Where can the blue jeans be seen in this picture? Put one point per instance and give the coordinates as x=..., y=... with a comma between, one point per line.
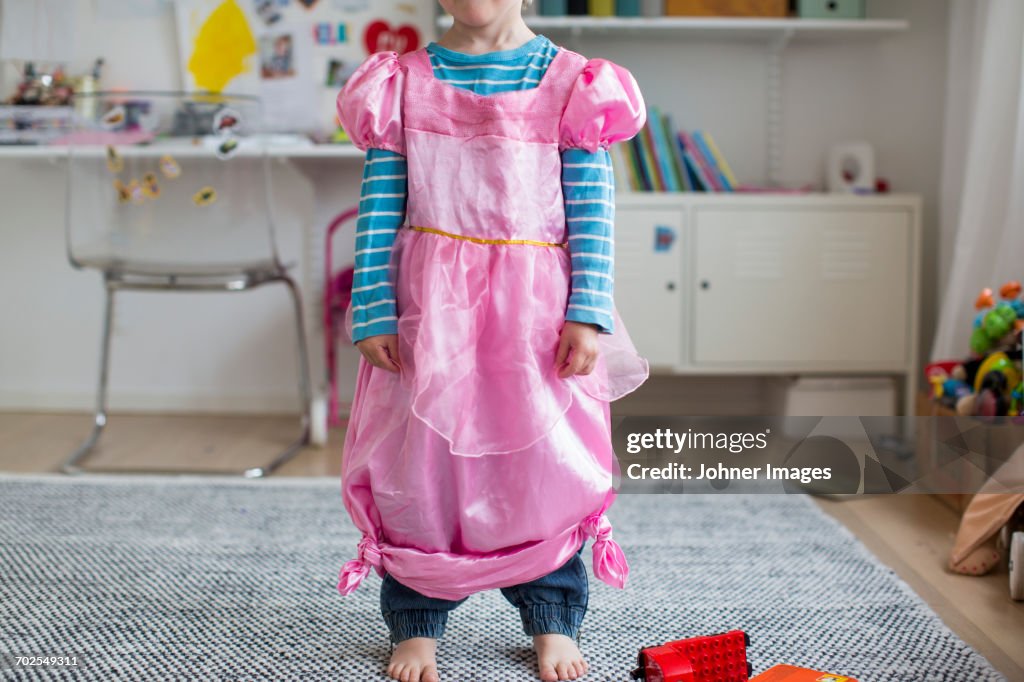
x=554, y=603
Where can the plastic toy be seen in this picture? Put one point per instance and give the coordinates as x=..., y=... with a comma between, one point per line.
x=995, y=321
x=997, y=362
x=717, y=658
x=791, y=673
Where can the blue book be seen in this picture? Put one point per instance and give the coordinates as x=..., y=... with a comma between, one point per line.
x=554, y=8
x=662, y=151
x=641, y=163
x=677, y=155
x=692, y=168
x=627, y=8
x=705, y=150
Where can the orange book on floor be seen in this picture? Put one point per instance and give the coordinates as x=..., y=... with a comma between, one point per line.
x=791, y=673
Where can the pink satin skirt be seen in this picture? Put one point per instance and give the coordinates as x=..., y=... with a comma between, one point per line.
x=477, y=466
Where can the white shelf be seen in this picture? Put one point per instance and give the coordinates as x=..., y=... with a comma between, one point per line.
x=718, y=28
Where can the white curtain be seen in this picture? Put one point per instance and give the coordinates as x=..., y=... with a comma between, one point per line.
x=982, y=204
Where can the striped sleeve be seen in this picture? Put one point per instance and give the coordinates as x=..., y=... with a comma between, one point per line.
x=381, y=212
x=588, y=186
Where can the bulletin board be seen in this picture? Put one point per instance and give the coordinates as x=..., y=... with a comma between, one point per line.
x=295, y=54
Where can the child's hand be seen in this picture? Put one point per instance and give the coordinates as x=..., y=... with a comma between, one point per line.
x=581, y=340
x=381, y=351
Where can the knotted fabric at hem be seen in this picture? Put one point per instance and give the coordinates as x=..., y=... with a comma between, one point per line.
x=353, y=572
x=609, y=561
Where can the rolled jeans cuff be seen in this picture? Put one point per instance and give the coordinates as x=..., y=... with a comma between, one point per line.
x=415, y=623
x=543, y=619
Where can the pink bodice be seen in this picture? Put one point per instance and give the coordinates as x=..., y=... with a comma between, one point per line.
x=489, y=166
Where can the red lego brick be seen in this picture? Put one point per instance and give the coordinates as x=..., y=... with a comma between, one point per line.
x=716, y=658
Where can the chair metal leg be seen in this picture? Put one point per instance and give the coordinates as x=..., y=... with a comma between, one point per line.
x=70, y=466
x=305, y=389
x=73, y=464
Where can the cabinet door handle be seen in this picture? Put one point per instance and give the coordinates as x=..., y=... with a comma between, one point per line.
x=704, y=284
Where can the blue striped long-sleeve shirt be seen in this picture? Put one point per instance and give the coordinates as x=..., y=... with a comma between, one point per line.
x=587, y=187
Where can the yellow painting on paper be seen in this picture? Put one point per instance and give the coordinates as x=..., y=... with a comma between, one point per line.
x=223, y=48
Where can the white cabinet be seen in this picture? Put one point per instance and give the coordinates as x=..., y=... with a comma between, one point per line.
x=648, y=281
x=771, y=284
x=813, y=289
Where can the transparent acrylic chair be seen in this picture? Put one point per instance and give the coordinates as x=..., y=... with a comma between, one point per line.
x=173, y=192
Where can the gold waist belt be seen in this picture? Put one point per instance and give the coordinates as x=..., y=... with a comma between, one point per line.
x=480, y=240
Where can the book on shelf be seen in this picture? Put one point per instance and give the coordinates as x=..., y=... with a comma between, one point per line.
x=723, y=165
x=706, y=170
x=602, y=8
x=651, y=159
x=662, y=158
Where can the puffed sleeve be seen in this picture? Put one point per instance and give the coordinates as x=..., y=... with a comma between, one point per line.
x=370, y=104
x=605, y=107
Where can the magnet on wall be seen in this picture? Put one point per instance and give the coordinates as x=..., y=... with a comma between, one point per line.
x=322, y=34
x=342, y=33
x=380, y=36
x=205, y=196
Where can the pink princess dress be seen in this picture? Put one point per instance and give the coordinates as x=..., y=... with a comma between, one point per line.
x=477, y=467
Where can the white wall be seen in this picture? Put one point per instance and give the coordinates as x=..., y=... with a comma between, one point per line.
x=889, y=92
x=233, y=351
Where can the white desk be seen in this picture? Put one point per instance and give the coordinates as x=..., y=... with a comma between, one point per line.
x=51, y=313
x=282, y=151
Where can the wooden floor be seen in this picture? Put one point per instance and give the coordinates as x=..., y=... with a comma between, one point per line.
x=912, y=534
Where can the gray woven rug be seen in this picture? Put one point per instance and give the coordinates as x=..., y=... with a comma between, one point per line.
x=149, y=578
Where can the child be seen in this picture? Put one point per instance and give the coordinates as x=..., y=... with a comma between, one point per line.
x=478, y=453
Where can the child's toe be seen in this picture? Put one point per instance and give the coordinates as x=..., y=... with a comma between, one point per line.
x=548, y=673
x=430, y=674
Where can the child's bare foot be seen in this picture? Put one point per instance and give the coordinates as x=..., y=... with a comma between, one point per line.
x=414, y=660
x=558, y=658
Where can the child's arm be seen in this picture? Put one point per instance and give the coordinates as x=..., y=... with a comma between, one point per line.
x=381, y=213
x=589, y=191
x=369, y=108
x=604, y=107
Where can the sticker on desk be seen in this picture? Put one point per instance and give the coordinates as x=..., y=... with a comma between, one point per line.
x=664, y=237
x=169, y=167
x=115, y=164
x=123, y=195
x=227, y=148
x=136, y=192
x=149, y=186
x=205, y=196
x=113, y=118
x=226, y=121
